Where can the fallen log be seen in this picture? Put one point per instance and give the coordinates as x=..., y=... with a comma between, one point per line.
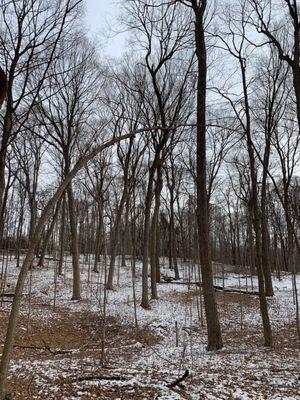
x=232, y=290
x=217, y=288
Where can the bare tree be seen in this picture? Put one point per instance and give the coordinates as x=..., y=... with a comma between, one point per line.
x=285, y=38
x=64, y=116
x=211, y=312
x=29, y=30
x=165, y=33
x=11, y=329
x=237, y=45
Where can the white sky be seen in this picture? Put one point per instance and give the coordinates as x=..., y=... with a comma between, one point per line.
x=102, y=22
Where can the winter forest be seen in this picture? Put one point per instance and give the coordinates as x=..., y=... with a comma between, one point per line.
x=150, y=202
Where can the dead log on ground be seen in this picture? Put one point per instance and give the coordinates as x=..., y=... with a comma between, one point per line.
x=217, y=288
x=232, y=290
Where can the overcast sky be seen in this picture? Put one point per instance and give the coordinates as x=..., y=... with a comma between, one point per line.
x=102, y=21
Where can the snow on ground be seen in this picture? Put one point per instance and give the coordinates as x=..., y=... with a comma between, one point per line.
x=170, y=339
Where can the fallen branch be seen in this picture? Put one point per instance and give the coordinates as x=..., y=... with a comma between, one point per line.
x=56, y=352
x=179, y=282
x=46, y=347
x=178, y=381
x=98, y=378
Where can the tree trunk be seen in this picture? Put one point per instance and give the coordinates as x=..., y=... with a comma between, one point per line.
x=62, y=235
x=126, y=236
x=154, y=255
x=266, y=256
x=115, y=237
x=20, y=226
x=98, y=236
x=74, y=245
x=256, y=215
x=7, y=126
x=212, y=318
x=172, y=243
x=146, y=238
x=48, y=236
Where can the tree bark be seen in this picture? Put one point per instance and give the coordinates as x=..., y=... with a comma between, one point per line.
x=76, y=295
x=256, y=215
x=48, y=236
x=146, y=236
x=212, y=318
x=172, y=243
x=154, y=255
x=62, y=235
x=115, y=238
x=98, y=235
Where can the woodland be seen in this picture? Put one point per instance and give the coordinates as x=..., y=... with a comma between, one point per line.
x=149, y=203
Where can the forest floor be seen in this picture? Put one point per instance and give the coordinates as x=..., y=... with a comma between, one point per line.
x=58, y=351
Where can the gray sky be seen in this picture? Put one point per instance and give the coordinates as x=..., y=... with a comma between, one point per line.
x=102, y=21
